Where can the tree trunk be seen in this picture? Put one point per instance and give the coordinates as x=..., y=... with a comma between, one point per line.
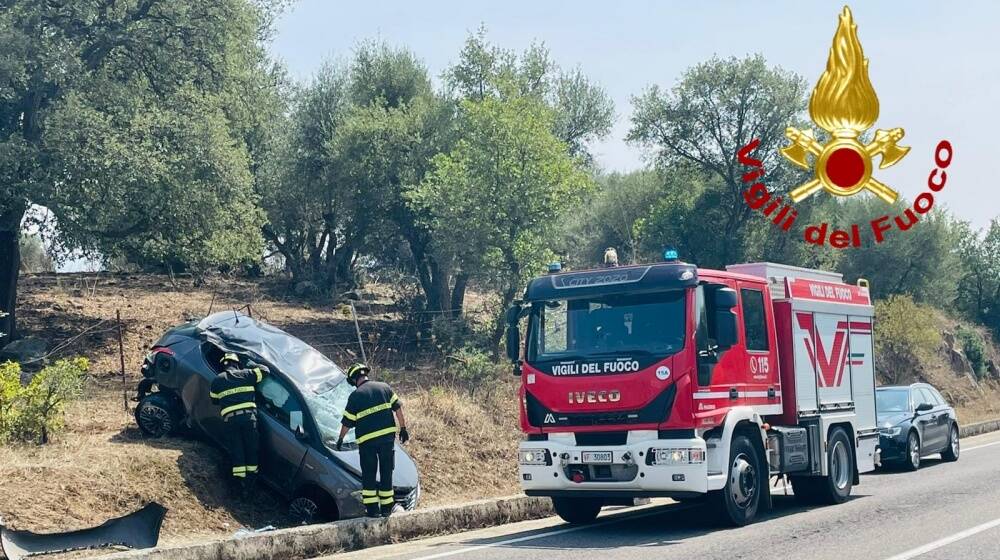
x=458, y=294
x=10, y=264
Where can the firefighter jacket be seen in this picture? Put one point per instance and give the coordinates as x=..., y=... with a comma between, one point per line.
x=369, y=411
x=235, y=389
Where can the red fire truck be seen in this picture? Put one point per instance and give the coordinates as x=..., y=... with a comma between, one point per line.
x=669, y=380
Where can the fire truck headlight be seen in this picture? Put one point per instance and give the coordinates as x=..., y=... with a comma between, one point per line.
x=677, y=456
x=535, y=457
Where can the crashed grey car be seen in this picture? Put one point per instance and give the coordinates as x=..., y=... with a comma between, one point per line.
x=299, y=408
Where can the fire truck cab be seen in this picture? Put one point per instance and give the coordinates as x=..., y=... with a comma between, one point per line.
x=669, y=380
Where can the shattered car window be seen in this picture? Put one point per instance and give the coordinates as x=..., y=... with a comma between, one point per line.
x=327, y=407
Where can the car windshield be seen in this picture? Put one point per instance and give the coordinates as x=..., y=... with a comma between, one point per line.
x=892, y=400
x=613, y=324
x=327, y=404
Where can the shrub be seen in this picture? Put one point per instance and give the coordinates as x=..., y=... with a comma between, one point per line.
x=907, y=335
x=35, y=412
x=974, y=347
x=474, y=370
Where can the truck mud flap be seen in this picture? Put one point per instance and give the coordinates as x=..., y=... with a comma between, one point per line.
x=140, y=529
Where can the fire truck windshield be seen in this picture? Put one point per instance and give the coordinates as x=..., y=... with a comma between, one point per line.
x=651, y=324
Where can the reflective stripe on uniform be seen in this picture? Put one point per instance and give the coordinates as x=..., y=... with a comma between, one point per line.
x=385, y=493
x=260, y=374
x=236, y=407
x=369, y=493
x=349, y=416
x=372, y=410
x=232, y=391
x=393, y=399
x=239, y=469
x=376, y=434
x=385, y=501
x=251, y=468
x=372, y=500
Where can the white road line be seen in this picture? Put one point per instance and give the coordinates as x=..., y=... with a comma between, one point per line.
x=616, y=519
x=973, y=448
x=945, y=541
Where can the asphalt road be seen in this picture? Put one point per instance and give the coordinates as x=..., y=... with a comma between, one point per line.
x=944, y=511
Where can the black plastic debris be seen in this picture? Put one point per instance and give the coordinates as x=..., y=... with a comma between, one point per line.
x=140, y=529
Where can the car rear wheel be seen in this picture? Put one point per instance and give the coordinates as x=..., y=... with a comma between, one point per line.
x=951, y=452
x=577, y=511
x=912, y=461
x=158, y=415
x=311, y=507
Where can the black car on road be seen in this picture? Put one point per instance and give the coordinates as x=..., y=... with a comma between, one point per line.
x=915, y=421
x=300, y=405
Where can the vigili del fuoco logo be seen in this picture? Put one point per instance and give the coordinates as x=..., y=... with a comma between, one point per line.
x=843, y=104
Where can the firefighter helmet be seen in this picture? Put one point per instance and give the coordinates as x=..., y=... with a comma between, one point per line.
x=355, y=371
x=230, y=357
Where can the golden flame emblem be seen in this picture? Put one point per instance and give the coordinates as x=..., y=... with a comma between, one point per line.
x=844, y=104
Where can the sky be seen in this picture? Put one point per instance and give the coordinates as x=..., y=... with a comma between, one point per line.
x=933, y=64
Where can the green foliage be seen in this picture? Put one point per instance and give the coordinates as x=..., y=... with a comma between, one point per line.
x=34, y=412
x=907, y=336
x=979, y=283
x=34, y=257
x=474, y=370
x=921, y=261
x=716, y=108
x=974, y=346
x=494, y=199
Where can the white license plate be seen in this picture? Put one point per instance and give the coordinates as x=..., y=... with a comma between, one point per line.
x=597, y=457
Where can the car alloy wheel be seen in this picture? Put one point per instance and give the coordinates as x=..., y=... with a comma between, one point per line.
x=913, y=450
x=303, y=510
x=954, y=441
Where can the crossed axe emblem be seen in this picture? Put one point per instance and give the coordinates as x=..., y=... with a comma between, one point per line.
x=844, y=165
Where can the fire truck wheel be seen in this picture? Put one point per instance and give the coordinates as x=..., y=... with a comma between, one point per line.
x=737, y=503
x=836, y=487
x=577, y=511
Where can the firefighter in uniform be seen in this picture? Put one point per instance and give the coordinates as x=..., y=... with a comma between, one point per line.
x=235, y=391
x=372, y=410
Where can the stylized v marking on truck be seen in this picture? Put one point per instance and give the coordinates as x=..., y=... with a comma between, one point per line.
x=829, y=367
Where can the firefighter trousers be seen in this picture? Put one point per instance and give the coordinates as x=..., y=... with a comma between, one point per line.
x=377, y=457
x=244, y=447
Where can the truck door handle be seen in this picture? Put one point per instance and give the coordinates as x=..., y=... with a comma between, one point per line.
x=733, y=393
x=771, y=393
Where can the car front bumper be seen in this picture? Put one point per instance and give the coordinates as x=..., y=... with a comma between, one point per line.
x=893, y=448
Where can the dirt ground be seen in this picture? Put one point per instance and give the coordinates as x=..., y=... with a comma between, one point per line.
x=102, y=467
x=464, y=443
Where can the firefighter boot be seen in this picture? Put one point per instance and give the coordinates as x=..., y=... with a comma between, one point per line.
x=387, y=510
x=372, y=510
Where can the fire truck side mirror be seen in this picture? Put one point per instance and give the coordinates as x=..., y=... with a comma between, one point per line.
x=725, y=319
x=513, y=334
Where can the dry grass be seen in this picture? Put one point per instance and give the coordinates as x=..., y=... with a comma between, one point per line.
x=101, y=467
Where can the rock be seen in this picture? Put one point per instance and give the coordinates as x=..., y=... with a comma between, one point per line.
x=992, y=370
x=24, y=350
x=949, y=339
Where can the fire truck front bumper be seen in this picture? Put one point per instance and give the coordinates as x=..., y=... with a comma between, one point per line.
x=640, y=468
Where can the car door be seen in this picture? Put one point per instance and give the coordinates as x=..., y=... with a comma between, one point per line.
x=933, y=434
x=941, y=417
x=282, y=450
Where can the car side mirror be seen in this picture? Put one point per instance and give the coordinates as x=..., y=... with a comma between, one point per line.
x=924, y=407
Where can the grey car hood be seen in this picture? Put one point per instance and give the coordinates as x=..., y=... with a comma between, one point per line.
x=301, y=364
